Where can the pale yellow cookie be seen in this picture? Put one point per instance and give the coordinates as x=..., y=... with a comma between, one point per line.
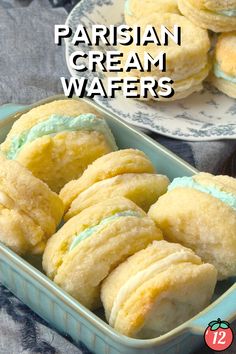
x=107, y=166
x=136, y=10
x=224, y=71
x=58, y=140
x=218, y=16
x=157, y=289
x=182, y=88
x=29, y=210
x=142, y=188
x=186, y=64
x=200, y=213
x=91, y=244
x=218, y=5
x=224, y=86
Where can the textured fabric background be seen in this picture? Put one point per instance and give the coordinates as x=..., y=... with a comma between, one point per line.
x=30, y=68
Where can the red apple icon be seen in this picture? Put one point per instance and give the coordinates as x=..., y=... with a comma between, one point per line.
x=218, y=335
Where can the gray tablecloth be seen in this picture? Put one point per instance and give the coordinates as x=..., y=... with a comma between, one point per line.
x=30, y=67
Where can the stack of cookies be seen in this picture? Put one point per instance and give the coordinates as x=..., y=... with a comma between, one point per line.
x=224, y=69
x=215, y=15
x=189, y=65
x=58, y=140
x=108, y=250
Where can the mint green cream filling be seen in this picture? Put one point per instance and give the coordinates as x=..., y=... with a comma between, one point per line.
x=221, y=75
x=56, y=124
x=127, y=8
x=88, y=232
x=230, y=13
x=188, y=182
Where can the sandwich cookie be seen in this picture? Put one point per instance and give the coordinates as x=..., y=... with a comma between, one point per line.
x=157, y=289
x=58, y=140
x=135, y=11
x=90, y=245
x=186, y=64
x=29, y=210
x=107, y=166
x=224, y=70
x=215, y=15
x=199, y=212
x=142, y=188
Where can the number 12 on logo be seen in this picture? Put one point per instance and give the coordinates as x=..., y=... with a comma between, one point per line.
x=218, y=335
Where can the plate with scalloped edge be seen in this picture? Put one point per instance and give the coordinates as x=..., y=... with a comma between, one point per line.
x=206, y=115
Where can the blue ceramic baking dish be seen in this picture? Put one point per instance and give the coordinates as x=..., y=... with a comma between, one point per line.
x=65, y=313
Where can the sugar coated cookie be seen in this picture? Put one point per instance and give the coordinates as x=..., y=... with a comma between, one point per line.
x=224, y=70
x=200, y=213
x=135, y=10
x=29, y=210
x=215, y=15
x=157, y=289
x=91, y=244
x=107, y=166
x=58, y=140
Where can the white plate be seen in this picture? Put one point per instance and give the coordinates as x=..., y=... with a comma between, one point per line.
x=208, y=115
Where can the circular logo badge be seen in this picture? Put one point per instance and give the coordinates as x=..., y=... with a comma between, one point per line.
x=218, y=335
